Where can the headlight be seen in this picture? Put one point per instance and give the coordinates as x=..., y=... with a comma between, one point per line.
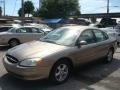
x=30, y=62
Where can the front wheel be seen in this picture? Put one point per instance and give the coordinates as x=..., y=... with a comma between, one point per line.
x=14, y=42
x=60, y=72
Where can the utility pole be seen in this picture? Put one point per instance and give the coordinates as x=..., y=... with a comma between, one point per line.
x=108, y=5
x=3, y=2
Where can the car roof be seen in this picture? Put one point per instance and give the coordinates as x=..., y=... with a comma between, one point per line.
x=5, y=26
x=107, y=29
x=80, y=27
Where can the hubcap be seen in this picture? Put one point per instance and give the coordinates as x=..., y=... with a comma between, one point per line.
x=110, y=56
x=13, y=43
x=61, y=72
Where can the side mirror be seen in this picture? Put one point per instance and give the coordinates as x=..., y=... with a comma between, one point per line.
x=81, y=43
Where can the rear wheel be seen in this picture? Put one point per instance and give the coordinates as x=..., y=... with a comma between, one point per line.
x=118, y=44
x=109, y=57
x=60, y=72
x=14, y=42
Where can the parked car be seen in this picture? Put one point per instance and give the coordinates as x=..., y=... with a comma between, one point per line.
x=38, y=28
x=5, y=28
x=117, y=28
x=113, y=33
x=18, y=35
x=118, y=33
x=57, y=53
x=44, y=27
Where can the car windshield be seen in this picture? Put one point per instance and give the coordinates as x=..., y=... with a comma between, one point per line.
x=11, y=30
x=62, y=36
x=4, y=29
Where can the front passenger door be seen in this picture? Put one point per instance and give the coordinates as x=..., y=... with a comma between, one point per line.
x=87, y=53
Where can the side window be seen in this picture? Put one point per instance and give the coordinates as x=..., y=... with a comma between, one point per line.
x=106, y=36
x=28, y=30
x=87, y=36
x=99, y=35
x=13, y=30
x=21, y=30
x=36, y=30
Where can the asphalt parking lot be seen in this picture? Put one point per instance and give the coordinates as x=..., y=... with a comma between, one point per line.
x=95, y=76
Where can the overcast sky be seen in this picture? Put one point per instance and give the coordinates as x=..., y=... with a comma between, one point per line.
x=87, y=6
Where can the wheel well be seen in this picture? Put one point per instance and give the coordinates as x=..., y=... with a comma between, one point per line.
x=13, y=39
x=112, y=48
x=66, y=59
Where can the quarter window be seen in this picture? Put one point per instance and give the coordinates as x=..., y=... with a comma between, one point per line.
x=21, y=30
x=24, y=30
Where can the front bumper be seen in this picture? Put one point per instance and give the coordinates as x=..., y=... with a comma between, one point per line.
x=26, y=73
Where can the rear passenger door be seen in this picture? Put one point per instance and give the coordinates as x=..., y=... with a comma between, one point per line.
x=37, y=33
x=102, y=43
x=24, y=34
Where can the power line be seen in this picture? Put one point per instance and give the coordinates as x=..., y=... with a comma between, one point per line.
x=14, y=7
x=108, y=5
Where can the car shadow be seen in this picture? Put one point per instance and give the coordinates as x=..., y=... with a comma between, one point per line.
x=84, y=77
x=96, y=71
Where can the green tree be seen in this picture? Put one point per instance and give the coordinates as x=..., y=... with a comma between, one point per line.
x=0, y=11
x=58, y=8
x=28, y=8
x=36, y=13
x=20, y=12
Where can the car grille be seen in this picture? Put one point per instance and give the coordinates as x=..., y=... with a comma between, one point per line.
x=12, y=59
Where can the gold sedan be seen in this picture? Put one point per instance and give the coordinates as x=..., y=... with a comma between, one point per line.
x=57, y=53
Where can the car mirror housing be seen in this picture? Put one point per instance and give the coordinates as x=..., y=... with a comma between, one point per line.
x=81, y=43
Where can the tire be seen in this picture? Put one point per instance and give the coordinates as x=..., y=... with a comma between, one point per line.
x=109, y=57
x=13, y=42
x=60, y=72
x=118, y=44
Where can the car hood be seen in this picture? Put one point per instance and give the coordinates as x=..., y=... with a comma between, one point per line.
x=34, y=49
